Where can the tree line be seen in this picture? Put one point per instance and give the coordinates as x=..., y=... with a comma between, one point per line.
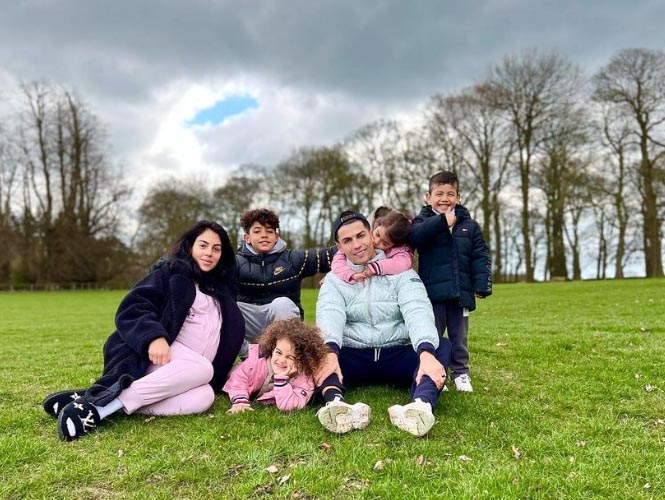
x=560, y=168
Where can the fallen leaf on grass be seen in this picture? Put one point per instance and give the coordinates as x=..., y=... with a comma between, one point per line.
x=464, y=458
x=284, y=479
x=501, y=344
x=120, y=453
x=378, y=465
x=650, y=388
x=324, y=446
x=647, y=486
x=149, y=419
x=571, y=460
x=516, y=452
x=420, y=460
x=659, y=421
x=579, y=444
x=272, y=469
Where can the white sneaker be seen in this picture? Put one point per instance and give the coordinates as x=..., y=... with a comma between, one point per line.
x=463, y=383
x=341, y=417
x=415, y=418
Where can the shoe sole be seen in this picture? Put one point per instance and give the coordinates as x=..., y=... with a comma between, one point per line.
x=341, y=419
x=414, y=421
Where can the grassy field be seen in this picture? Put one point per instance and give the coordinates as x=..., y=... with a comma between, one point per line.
x=569, y=403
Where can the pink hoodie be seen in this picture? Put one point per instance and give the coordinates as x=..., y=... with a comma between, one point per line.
x=248, y=378
x=398, y=259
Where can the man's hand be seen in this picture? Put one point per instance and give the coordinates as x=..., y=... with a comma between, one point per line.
x=329, y=366
x=159, y=351
x=431, y=367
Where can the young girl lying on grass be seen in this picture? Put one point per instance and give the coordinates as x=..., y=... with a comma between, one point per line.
x=279, y=369
x=178, y=333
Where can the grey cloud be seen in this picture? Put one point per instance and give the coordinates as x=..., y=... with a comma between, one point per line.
x=376, y=49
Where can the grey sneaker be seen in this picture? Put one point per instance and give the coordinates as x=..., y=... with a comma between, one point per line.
x=463, y=383
x=415, y=418
x=341, y=417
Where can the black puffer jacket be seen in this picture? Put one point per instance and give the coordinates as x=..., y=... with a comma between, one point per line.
x=264, y=277
x=454, y=266
x=157, y=306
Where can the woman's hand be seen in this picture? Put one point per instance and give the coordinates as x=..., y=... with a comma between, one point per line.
x=159, y=351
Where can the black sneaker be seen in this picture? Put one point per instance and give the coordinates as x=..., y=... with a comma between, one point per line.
x=76, y=419
x=54, y=403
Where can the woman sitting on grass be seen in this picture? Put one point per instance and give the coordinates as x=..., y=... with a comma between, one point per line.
x=178, y=333
x=279, y=369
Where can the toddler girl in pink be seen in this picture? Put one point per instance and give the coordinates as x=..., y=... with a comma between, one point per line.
x=279, y=369
x=390, y=233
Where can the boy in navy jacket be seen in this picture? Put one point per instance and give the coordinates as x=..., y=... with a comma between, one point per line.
x=454, y=264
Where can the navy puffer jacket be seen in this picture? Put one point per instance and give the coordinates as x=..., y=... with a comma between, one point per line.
x=155, y=307
x=454, y=265
x=264, y=277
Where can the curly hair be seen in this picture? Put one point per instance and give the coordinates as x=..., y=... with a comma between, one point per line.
x=263, y=216
x=306, y=339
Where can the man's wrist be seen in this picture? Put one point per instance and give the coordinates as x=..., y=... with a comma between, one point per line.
x=425, y=347
x=334, y=348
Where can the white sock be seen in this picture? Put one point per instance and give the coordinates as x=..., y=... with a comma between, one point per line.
x=420, y=400
x=109, y=409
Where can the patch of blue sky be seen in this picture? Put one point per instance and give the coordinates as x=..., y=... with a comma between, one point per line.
x=223, y=110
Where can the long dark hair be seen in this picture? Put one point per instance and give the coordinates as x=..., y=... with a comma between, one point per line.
x=223, y=274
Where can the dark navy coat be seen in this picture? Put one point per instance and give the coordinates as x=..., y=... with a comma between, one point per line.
x=157, y=307
x=264, y=277
x=454, y=265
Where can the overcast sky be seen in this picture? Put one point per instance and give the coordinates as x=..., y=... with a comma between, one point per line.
x=310, y=71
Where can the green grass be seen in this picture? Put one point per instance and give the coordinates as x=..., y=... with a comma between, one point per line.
x=561, y=410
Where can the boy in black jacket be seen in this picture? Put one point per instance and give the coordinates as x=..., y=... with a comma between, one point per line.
x=454, y=264
x=269, y=275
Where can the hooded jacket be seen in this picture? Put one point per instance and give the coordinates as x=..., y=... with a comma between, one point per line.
x=264, y=277
x=155, y=307
x=384, y=311
x=247, y=380
x=454, y=263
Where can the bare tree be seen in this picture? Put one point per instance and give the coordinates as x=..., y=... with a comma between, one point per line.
x=474, y=136
x=169, y=209
x=634, y=82
x=71, y=194
x=244, y=189
x=529, y=89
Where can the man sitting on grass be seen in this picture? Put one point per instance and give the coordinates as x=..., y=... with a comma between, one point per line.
x=380, y=332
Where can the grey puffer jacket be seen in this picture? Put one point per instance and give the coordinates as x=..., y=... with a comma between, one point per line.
x=385, y=311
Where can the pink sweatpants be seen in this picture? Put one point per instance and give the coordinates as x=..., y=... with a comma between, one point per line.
x=179, y=387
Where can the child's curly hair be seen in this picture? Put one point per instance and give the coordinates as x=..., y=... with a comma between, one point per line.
x=263, y=216
x=306, y=339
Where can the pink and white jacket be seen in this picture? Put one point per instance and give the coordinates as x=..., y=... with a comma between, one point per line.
x=249, y=377
x=398, y=260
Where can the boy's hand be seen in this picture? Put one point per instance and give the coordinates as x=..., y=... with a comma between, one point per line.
x=239, y=408
x=369, y=271
x=450, y=217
